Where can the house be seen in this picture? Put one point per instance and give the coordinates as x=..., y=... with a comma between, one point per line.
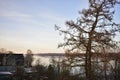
x=9, y=62
x=11, y=59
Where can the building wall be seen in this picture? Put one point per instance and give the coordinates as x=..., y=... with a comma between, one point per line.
x=11, y=60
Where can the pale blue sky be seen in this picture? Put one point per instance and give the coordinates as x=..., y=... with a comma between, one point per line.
x=29, y=24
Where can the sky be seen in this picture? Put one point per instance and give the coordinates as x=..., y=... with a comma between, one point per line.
x=29, y=24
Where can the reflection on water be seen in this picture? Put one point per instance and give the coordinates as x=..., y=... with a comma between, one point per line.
x=44, y=60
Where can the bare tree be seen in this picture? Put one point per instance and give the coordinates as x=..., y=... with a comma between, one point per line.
x=95, y=28
x=3, y=50
x=29, y=58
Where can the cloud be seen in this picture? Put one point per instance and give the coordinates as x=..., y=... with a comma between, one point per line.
x=43, y=19
x=19, y=17
x=13, y=14
x=52, y=16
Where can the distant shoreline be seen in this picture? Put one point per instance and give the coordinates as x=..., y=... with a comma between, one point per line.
x=49, y=54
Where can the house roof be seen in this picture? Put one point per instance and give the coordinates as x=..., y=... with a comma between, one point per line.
x=5, y=73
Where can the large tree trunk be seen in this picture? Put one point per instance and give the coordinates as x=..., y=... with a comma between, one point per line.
x=88, y=61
